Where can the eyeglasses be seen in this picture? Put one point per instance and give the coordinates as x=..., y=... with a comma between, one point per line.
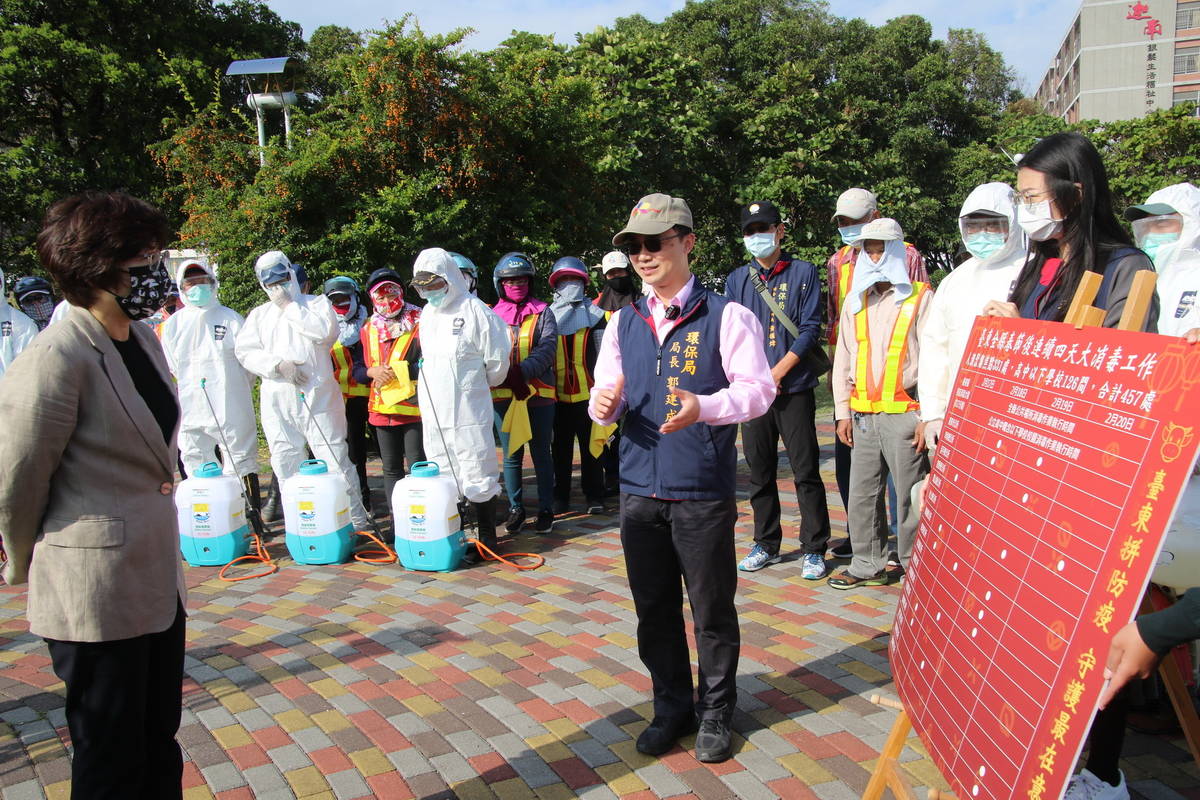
x=652, y=244
x=985, y=226
x=1028, y=197
x=153, y=261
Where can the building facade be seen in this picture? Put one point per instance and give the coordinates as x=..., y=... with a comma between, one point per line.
x=1122, y=60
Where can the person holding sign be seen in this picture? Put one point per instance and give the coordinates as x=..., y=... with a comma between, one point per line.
x=1065, y=207
x=874, y=393
x=391, y=350
x=683, y=365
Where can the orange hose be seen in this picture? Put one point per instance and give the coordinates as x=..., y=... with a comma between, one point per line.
x=384, y=555
x=259, y=556
x=489, y=555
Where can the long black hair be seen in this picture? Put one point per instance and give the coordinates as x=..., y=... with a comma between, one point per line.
x=1078, y=182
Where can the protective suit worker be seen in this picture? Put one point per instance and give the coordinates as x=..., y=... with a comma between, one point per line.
x=470, y=272
x=988, y=224
x=16, y=331
x=198, y=340
x=34, y=299
x=286, y=342
x=465, y=352
x=1167, y=228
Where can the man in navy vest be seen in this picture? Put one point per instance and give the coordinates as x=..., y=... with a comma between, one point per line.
x=792, y=324
x=683, y=365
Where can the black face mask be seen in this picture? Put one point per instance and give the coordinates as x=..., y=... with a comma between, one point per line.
x=622, y=284
x=148, y=287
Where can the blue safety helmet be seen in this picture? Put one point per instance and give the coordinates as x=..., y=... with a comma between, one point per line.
x=568, y=267
x=465, y=264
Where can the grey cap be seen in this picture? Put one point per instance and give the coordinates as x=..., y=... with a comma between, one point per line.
x=1149, y=210
x=855, y=204
x=884, y=229
x=655, y=214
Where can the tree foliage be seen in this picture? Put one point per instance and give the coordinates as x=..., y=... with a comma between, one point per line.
x=407, y=140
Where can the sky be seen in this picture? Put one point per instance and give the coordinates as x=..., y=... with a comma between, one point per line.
x=1027, y=32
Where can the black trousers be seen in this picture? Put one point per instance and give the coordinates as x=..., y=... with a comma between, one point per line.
x=841, y=470
x=398, y=445
x=356, y=438
x=123, y=707
x=665, y=541
x=572, y=424
x=791, y=417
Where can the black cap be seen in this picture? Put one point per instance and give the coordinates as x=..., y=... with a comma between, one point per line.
x=383, y=274
x=760, y=211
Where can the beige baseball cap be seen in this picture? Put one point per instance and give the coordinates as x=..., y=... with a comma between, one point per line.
x=655, y=214
x=855, y=204
x=884, y=229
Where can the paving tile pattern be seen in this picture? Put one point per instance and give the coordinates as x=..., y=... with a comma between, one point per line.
x=360, y=681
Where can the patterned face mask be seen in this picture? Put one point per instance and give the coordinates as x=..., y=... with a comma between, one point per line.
x=149, y=287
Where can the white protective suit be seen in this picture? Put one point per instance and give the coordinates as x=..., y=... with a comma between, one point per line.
x=16, y=331
x=464, y=347
x=199, y=344
x=960, y=298
x=60, y=312
x=1179, y=272
x=301, y=333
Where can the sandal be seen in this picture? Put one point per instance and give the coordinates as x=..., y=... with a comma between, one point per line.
x=844, y=580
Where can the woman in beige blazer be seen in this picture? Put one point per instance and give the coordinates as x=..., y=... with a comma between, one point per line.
x=86, y=513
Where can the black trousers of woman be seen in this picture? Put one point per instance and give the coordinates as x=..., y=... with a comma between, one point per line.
x=123, y=707
x=400, y=446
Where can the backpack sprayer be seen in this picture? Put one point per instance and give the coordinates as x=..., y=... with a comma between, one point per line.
x=382, y=555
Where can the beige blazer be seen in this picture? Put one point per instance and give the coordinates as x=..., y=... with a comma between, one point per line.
x=86, y=481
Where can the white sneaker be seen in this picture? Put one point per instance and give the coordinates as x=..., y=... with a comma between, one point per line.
x=1086, y=786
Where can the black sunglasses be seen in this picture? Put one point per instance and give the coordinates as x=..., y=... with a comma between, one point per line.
x=652, y=244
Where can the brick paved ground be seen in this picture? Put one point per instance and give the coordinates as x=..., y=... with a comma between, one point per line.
x=363, y=681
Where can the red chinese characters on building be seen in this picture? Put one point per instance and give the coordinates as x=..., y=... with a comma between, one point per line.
x=1153, y=28
x=1138, y=11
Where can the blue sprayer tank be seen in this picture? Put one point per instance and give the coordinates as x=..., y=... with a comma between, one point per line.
x=429, y=534
x=316, y=515
x=212, y=517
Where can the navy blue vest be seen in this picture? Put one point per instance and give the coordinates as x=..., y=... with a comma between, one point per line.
x=700, y=461
x=1042, y=302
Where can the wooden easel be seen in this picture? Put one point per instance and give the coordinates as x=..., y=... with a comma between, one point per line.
x=887, y=774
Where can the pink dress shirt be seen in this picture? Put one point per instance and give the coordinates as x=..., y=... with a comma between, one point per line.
x=751, y=388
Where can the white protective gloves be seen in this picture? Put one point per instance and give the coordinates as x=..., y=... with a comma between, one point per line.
x=290, y=371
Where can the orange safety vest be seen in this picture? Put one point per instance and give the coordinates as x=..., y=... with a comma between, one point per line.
x=521, y=348
x=888, y=397
x=406, y=408
x=344, y=374
x=571, y=378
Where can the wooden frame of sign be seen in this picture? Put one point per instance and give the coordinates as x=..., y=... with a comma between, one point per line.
x=888, y=774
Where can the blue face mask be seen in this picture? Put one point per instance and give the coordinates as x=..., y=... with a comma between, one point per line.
x=199, y=295
x=984, y=245
x=760, y=245
x=1158, y=246
x=436, y=297
x=850, y=233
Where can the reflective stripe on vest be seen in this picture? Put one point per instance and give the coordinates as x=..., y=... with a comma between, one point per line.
x=889, y=397
x=406, y=408
x=343, y=372
x=521, y=350
x=570, y=371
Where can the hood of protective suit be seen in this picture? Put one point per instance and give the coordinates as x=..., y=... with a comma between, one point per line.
x=273, y=259
x=183, y=267
x=437, y=261
x=995, y=198
x=1184, y=198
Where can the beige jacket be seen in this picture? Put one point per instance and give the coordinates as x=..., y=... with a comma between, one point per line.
x=86, y=509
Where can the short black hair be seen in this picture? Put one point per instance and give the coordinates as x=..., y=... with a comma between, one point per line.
x=84, y=237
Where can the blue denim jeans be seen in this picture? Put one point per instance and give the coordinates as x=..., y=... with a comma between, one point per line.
x=541, y=425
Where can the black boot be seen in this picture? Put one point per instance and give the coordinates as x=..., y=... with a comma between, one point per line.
x=253, y=493
x=485, y=521
x=271, y=510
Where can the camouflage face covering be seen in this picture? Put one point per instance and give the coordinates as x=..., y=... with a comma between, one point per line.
x=149, y=287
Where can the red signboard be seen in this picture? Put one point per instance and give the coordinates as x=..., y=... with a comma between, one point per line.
x=1062, y=459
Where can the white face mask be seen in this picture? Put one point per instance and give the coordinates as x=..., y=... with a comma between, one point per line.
x=1036, y=221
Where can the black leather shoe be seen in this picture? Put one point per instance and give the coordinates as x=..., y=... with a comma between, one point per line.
x=662, y=734
x=714, y=742
x=515, y=521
